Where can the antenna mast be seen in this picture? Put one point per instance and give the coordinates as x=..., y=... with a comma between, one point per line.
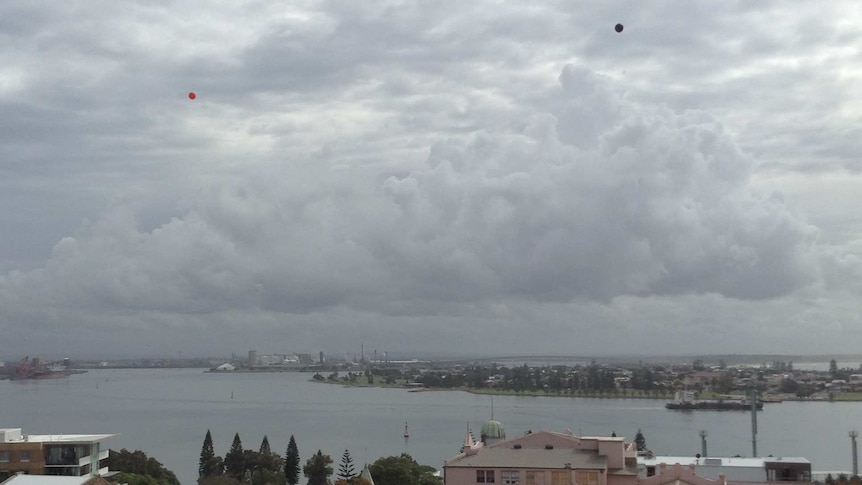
x=853, y=435
x=754, y=423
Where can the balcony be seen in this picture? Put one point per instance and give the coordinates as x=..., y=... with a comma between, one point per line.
x=60, y=456
x=65, y=460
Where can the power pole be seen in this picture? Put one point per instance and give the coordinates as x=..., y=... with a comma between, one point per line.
x=703, y=442
x=853, y=435
x=754, y=423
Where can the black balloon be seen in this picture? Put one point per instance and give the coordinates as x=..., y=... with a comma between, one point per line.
x=618, y=27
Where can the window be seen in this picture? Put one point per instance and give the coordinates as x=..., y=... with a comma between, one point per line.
x=4, y=457
x=484, y=476
x=587, y=477
x=510, y=476
x=23, y=456
x=535, y=478
x=560, y=478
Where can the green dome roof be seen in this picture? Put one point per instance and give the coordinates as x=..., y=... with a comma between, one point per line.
x=493, y=429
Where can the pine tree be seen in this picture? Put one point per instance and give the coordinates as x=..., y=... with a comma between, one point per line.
x=234, y=461
x=346, y=470
x=640, y=441
x=207, y=455
x=318, y=469
x=291, y=462
x=210, y=465
x=264, y=446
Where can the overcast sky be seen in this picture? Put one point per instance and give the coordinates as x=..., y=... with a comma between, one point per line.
x=482, y=177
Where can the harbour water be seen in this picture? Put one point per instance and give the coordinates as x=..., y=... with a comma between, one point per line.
x=166, y=414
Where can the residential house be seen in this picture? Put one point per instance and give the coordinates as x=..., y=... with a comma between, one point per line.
x=544, y=458
x=58, y=454
x=551, y=458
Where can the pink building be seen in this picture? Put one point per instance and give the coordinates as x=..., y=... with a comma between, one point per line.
x=545, y=458
x=550, y=458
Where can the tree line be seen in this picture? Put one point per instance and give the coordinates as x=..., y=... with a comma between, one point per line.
x=555, y=379
x=264, y=467
x=136, y=468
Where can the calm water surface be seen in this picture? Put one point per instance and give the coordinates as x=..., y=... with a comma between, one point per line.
x=166, y=413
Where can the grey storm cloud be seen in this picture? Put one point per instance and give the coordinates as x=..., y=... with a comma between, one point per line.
x=599, y=200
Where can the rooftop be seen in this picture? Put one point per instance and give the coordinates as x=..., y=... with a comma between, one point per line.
x=555, y=458
x=758, y=462
x=68, y=438
x=14, y=435
x=46, y=480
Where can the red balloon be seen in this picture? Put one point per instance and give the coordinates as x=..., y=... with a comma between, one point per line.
x=192, y=95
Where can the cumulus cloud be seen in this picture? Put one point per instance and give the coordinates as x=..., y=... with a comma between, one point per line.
x=598, y=199
x=603, y=198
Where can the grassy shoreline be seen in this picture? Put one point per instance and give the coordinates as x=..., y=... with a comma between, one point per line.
x=627, y=394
